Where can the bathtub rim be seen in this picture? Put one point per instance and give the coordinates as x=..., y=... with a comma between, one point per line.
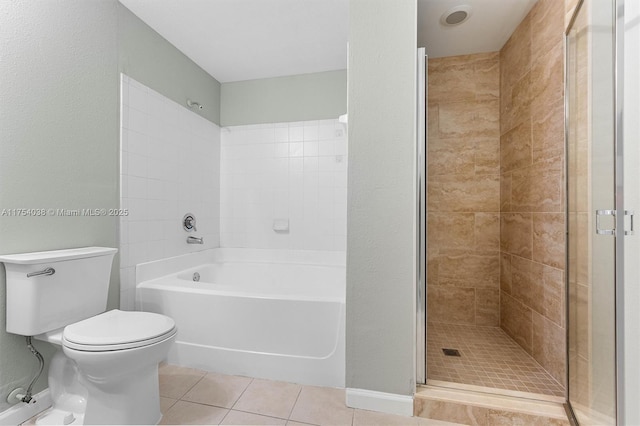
x=172, y=265
x=172, y=283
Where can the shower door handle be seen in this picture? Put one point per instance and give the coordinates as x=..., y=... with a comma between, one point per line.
x=629, y=213
x=600, y=231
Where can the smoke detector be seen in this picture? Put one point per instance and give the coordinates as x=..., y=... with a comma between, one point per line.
x=456, y=15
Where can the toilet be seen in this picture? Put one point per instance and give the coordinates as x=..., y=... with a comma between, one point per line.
x=106, y=368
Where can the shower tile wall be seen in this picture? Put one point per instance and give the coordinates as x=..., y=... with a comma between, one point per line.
x=532, y=197
x=285, y=171
x=169, y=166
x=569, y=7
x=464, y=190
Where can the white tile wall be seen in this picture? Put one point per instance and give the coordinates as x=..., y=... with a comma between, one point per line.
x=294, y=171
x=170, y=165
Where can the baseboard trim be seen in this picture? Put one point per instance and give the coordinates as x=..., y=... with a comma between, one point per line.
x=383, y=402
x=22, y=412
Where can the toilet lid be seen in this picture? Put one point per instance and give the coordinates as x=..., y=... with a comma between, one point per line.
x=119, y=329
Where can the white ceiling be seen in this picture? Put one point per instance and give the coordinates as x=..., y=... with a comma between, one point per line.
x=236, y=40
x=487, y=29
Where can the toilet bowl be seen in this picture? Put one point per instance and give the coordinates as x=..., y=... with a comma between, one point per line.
x=105, y=370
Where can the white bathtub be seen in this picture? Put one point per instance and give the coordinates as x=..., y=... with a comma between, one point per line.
x=276, y=315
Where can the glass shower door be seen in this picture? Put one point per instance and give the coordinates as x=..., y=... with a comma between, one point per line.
x=591, y=217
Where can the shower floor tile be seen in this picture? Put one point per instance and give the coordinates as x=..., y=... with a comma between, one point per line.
x=488, y=357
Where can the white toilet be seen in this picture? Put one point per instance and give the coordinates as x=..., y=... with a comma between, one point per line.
x=106, y=371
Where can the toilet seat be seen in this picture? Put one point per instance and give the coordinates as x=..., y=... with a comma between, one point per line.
x=118, y=330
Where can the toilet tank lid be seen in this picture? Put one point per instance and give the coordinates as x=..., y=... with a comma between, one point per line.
x=56, y=255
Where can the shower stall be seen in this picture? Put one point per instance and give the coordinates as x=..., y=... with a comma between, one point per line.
x=532, y=263
x=493, y=297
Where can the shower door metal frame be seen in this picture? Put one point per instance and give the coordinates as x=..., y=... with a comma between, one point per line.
x=618, y=75
x=421, y=218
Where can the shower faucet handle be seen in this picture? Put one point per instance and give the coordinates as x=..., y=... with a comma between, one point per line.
x=189, y=222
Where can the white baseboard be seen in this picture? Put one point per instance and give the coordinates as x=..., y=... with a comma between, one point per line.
x=22, y=412
x=380, y=401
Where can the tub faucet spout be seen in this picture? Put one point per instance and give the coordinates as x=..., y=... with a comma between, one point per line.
x=195, y=240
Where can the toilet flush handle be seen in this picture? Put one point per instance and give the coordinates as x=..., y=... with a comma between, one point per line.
x=47, y=271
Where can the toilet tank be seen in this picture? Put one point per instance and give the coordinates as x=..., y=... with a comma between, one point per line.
x=63, y=287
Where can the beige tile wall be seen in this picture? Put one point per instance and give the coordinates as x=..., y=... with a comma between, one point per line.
x=496, y=249
x=532, y=220
x=464, y=190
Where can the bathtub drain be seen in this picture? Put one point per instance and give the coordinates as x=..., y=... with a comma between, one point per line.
x=196, y=276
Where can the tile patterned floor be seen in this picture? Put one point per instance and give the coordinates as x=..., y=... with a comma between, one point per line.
x=190, y=396
x=195, y=397
x=489, y=357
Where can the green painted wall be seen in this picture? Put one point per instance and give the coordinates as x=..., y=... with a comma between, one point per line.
x=59, y=127
x=59, y=144
x=381, y=196
x=150, y=59
x=316, y=96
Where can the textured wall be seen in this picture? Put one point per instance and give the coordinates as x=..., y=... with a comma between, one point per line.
x=59, y=144
x=532, y=223
x=316, y=96
x=381, y=196
x=464, y=190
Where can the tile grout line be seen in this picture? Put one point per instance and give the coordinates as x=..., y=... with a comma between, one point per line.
x=225, y=416
x=191, y=387
x=294, y=404
x=255, y=414
x=240, y=396
x=213, y=405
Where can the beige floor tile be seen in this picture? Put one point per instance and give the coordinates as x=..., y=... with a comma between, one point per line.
x=218, y=389
x=269, y=398
x=292, y=423
x=322, y=406
x=188, y=413
x=242, y=418
x=166, y=403
x=373, y=418
x=176, y=381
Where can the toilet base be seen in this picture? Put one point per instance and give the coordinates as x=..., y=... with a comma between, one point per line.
x=125, y=401
x=68, y=395
x=119, y=387
x=54, y=416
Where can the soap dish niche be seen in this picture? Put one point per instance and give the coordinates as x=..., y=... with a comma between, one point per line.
x=281, y=226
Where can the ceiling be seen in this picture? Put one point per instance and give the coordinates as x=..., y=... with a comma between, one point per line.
x=489, y=26
x=235, y=40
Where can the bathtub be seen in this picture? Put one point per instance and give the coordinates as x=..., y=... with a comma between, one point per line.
x=270, y=314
